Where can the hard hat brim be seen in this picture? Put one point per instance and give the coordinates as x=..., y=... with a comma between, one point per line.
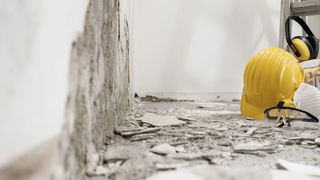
x=250, y=111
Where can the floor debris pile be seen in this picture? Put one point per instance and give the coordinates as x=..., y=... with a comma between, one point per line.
x=176, y=137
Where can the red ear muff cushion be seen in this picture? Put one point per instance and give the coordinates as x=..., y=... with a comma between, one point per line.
x=315, y=45
x=305, y=54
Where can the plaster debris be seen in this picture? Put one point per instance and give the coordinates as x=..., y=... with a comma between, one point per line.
x=224, y=112
x=308, y=143
x=187, y=119
x=178, y=143
x=288, y=142
x=190, y=136
x=317, y=141
x=157, y=120
x=224, y=143
x=145, y=131
x=208, y=156
x=112, y=160
x=251, y=131
x=101, y=171
x=104, y=166
x=253, y=147
x=303, y=137
x=163, y=149
x=164, y=167
x=219, y=140
x=151, y=98
x=120, y=130
x=142, y=137
x=217, y=161
x=180, y=149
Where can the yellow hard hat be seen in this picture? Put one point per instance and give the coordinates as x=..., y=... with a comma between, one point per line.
x=271, y=76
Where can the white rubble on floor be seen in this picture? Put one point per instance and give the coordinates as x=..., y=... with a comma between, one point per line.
x=208, y=137
x=158, y=120
x=251, y=131
x=254, y=147
x=317, y=141
x=163, y=149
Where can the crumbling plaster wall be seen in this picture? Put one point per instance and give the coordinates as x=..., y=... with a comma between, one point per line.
x=99, y=85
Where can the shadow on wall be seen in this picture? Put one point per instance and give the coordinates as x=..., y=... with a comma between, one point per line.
x=210, y=43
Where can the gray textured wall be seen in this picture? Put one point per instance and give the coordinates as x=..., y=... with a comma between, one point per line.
x=99, y=85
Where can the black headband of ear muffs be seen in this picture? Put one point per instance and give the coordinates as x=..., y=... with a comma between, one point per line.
x=304, y=26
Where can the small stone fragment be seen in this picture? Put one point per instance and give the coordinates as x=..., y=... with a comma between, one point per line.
x=120, y=130
x=224, y=143
x=158, y=120
x=217, y=161
x=142, y=137
x=115, y=164
x=308, y=143
x=187, y=119
x=163, y=149
x=303, y=137
x=251, y=131
x=145, y=131
x=178, y=143
x=193, y=137
x=189, y=136
x=180, y=149
x=288, y=142
x=215, y=134
x=249, y=148
x=222, y=129
x=194, y=156
x=100, y=170
x=242, y=124
x=164, y=167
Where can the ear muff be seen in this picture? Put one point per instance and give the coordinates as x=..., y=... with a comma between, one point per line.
x=301, y=44
x=304, y=48
x=315, y=45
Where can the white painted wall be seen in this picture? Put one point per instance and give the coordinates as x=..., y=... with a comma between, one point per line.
x=35, y=44
x=199, y=46
x=313, y=22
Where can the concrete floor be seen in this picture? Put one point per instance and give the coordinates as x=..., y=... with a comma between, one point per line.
x=205, y=144
x=217, y=129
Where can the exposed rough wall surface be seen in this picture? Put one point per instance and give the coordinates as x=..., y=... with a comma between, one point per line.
x=99, y=86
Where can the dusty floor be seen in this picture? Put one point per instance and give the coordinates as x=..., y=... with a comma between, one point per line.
x=216, y=142
x=214, y=134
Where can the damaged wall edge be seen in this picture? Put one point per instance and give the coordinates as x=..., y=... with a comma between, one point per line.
x=99, y=86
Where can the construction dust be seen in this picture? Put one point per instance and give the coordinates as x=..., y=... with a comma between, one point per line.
x=206, y=135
